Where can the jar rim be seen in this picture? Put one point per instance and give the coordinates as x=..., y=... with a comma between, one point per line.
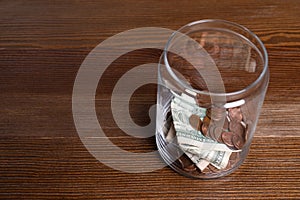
x=232, y=24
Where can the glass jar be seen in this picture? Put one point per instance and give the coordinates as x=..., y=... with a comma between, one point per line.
x=212, y=80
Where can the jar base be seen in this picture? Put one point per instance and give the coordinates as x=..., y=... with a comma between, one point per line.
x=172, y=155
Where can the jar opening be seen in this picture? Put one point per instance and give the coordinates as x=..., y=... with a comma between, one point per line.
x=238, y=54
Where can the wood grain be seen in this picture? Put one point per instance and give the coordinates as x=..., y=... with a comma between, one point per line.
x=42, y=45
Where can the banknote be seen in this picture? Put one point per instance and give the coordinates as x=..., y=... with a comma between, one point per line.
x=202, y=158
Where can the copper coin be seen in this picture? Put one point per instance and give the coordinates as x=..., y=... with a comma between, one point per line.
x=213, y=168
x=190, y=168
x=195, y=122
x=227, y=138
x=226, y=125
x=204, y=129
x=235, y=114
x=234, y=157
x=205, y=125
x=238, y=141
x=237, y=128
x=208, y=113
x=206, y=121
x=229, y=165
x=186, y=163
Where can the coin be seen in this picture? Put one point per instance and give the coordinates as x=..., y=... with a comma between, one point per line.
x=190, y=168
x=235, y=114
x=226, y=124
x=238, y=141
x=204, y=129
x=233, y=159
x=227, y=138
x=237, y=128
x=234, y=156
x=195, y=122
x=208, y=112
x=187, y=164
x=248, y=111
x=206, y=120
x=213, y=168
x=205, y=125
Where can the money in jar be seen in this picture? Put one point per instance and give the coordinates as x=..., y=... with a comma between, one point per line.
x=213, y=76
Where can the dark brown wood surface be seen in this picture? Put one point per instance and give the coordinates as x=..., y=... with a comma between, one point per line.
x=42, y=45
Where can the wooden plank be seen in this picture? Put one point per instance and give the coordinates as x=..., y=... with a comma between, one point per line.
x=42, y=45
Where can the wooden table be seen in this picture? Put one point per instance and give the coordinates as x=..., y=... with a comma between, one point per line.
x=42, y=45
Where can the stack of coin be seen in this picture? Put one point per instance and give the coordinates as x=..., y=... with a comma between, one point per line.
x=211, y=126
x=235, y=137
